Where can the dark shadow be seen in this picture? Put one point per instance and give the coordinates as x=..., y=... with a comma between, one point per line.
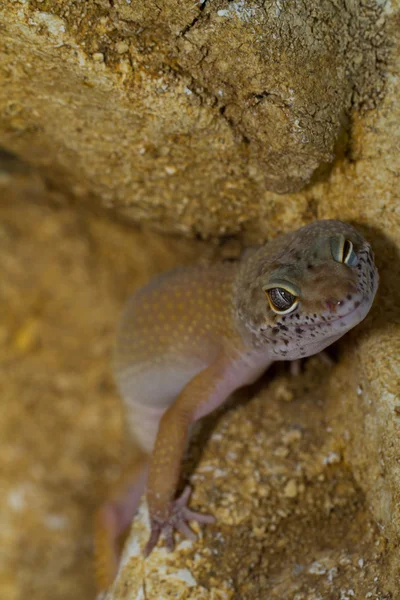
x=341, y=151
x=11, y=163
x=385, y=311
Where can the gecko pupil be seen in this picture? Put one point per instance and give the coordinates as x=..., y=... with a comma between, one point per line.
x=347, y=248
x=281, y=298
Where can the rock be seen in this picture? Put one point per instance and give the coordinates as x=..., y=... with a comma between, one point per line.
x=297, y=537
x=359, y=429
x=183, y=114
x=142, y=131
x=290, y=490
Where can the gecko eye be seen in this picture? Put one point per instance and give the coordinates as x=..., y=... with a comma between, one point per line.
x=282, y=300
x=342, y=251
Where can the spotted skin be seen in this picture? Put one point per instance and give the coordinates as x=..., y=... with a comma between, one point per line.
x=191, y=337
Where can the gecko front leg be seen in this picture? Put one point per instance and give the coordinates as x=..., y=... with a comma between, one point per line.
x=201, y=395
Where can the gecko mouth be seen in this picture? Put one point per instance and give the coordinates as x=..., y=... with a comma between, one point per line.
x=340, y=317
x=327, y=322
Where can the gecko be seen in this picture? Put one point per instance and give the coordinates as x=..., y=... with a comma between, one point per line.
x=194, y=335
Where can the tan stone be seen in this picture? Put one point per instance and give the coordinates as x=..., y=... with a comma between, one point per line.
x=207, y=106
x=67, y=270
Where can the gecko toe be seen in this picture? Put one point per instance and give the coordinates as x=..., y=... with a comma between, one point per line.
x=169, y=537
x=186, y=531
x=184, y=497
x=175, y=519
x=190, y=515
x=153, y=539
x=295, y=367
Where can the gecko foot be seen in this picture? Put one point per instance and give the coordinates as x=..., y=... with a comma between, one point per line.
x=295, y=365
x=177, y=519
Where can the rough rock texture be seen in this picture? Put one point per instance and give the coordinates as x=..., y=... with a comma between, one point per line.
x=185, y=113
x=289, y=512
x=302, y=474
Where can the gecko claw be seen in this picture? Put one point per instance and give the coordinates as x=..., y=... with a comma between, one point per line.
x=179, y=514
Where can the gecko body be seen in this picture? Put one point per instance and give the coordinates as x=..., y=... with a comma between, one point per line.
x=191, y=337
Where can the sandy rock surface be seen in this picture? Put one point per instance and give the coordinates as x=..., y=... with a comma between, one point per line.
x=185, y=114
x=302, y=474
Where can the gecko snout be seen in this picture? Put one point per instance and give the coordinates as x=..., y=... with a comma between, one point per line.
x=341, y=295
x=332, y=305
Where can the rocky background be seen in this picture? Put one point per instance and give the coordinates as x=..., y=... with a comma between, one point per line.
x=226, y=123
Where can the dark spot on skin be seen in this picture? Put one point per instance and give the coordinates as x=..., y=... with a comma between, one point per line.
x=315, y=315
x=310, y=267
x=297, y=316
x=286, y=342
x=349, y=296
x=275, y=330
x=299, y=330
x=357, y=304
x=282, y=327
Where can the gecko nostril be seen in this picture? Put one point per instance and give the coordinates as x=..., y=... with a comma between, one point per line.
x=332, y=305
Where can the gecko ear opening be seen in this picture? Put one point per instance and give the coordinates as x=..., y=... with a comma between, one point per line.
x=283, y=296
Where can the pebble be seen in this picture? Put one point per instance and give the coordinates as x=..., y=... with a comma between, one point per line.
x=290, y=437
x=290, y=490
x=121, y=47
x=284, y=393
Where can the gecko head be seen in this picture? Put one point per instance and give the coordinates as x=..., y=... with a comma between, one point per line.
x=304, y=290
